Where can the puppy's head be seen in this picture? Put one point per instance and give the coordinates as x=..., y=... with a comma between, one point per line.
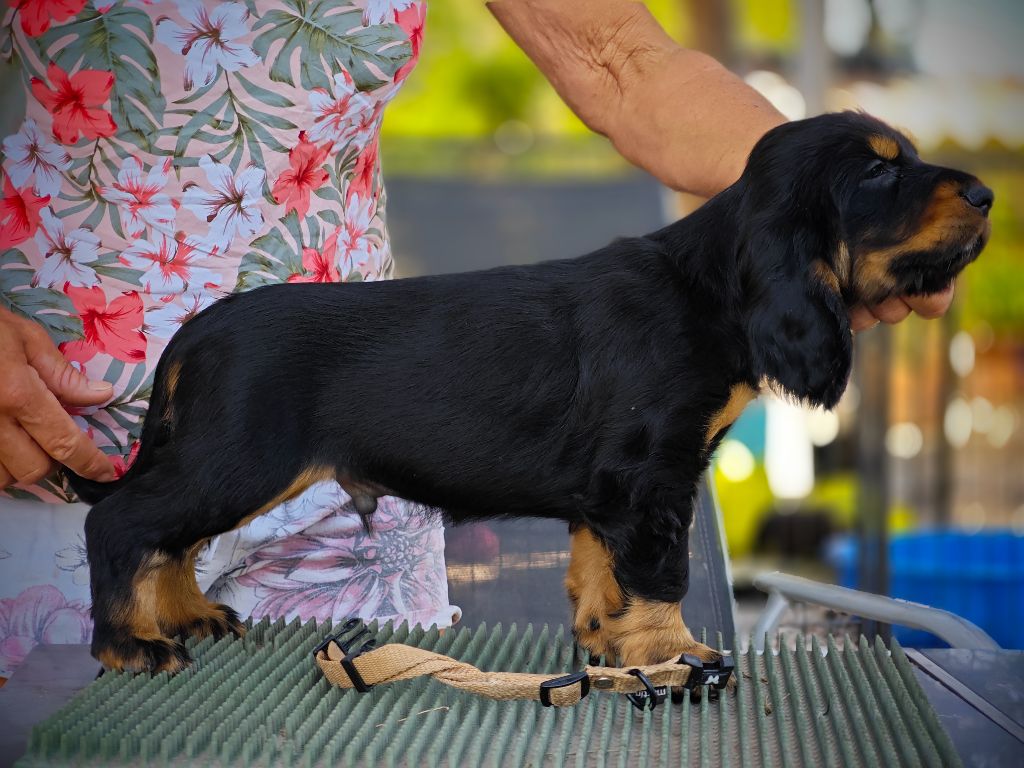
x=835, y=211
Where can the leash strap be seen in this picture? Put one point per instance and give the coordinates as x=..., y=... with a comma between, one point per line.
x=347, y=664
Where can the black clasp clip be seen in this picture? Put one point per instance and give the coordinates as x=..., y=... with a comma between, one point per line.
x=713, y=673
x=651, y=696
x=565, y=681
x=366, y=642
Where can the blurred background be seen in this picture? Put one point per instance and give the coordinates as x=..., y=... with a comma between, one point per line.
x=914, y=486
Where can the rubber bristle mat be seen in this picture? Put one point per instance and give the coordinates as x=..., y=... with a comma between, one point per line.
x=262, y=701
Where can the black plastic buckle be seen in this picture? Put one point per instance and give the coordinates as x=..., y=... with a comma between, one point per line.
x=650, y=694
x=565, y=681
x=713, y=673
x=348, y=626
x=368, y=644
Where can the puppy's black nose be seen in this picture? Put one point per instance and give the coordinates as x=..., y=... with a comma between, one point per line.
x=980, y=196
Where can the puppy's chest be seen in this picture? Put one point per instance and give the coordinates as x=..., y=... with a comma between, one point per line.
x=740, y=396
x=682, y=430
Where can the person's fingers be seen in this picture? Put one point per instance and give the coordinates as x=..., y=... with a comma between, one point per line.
x=70, y=385
x=42, y=417
x=861, y=318
x=26, y=462
x=931, y=305
x=892, y=310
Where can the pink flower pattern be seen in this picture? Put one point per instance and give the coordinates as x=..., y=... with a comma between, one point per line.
x=320, y=266
x=113, y=328
x=168, y=265
x=305, y=175
x=38, y=15
x=141, y=201
x=40, y=615
x=66, y=256
x=338, y=117
x=209, y=39
x=335, y=567
x=19, y=214
x=76, y=102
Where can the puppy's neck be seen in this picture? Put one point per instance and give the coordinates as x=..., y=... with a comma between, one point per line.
x=704, y=246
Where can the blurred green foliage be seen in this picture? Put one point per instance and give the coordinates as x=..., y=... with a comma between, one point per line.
x=472, y=77
x=750, y=504
x=992, y=290
x=765, y=26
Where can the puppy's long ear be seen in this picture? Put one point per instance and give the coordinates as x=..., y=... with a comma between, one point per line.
x=798, y=325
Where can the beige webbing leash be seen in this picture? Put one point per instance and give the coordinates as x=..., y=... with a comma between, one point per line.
x=368, y=666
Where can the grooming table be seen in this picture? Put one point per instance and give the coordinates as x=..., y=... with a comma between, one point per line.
x=261, y=701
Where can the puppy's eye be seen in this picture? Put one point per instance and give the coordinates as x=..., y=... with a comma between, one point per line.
x=876, y=169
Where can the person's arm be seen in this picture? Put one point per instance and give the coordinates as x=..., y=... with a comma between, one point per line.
x=676, y=113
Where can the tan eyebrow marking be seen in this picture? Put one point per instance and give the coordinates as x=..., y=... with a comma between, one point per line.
x=885, y=147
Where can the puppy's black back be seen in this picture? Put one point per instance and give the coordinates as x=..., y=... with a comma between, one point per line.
x=502, y=392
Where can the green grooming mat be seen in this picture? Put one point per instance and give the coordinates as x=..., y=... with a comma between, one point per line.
x=262, y=701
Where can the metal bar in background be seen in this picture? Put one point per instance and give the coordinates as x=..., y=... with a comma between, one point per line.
x=872, y=356
x=712, y=29
x=944, y=459
x=782, y=587
x=813, y=73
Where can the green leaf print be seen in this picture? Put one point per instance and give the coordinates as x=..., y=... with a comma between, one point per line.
x=242, y=129
x=271, y=99
x=51, y=309
x=118, y=41
x=114, y=371
x=109, y=265
x=274, y=259
x=330, y=39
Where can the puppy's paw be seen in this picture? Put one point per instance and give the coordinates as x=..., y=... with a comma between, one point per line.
x=652, y=633
x=216, y=620
x=592, y=636
x=132, y=654
x=703, y=652
x=229, y=622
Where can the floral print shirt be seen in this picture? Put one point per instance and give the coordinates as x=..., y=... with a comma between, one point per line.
x=173, y=151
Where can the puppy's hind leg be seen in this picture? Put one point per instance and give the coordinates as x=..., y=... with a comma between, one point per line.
x=124, y=563
x=182, y=609
x=141, y=542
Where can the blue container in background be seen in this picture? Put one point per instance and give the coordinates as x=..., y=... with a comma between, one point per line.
x=979, y=576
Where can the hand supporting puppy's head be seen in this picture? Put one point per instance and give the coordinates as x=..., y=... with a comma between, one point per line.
x=835, y=211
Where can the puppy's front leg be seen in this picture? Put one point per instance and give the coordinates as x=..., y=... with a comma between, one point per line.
x=594, y=593
x=631, y=610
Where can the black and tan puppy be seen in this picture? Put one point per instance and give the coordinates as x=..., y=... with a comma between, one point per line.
x=592, y=390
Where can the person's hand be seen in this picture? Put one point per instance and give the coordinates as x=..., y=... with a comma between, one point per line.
x=897, y=308
x=35, y=430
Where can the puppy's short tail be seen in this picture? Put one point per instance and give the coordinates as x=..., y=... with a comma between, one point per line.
x=90, y=491
x=155, y=431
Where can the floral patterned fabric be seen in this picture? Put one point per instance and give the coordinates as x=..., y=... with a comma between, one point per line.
x=173, y=151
